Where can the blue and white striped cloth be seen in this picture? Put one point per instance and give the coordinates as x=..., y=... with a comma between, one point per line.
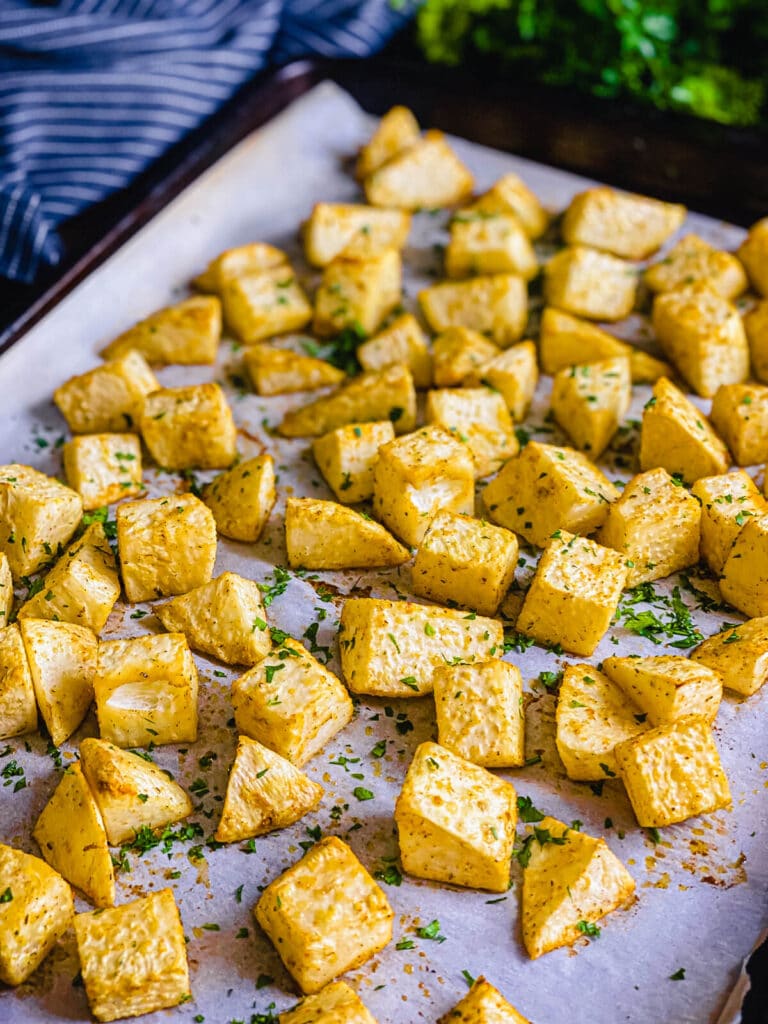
x=92, y=91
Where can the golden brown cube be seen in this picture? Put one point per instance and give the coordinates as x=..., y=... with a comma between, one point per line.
x=727, y=502
x=358, y=293
x=188, y=333
x=6, y=590
x=514, y=374
x=37, y=514
x=692, y=261
x=103, y=468
x=744, y=579
x=397, y=130
x=589, y=283
x=352, y=231
x=189, y=426
x=237, y=262
x=460, y=354
x=753, y=253
x=346, y=457
x=493, y=304
x=337, y=1003
x=483, y=1004
x=326, y=535
x=479, y=418
x=590, y=402
x=425, y=174
x=620, y=223
x=108, y=399
x=18, y=707
x=740, y=416
x=242, y=498
x=264, y=303
x=739, y=655
x=510, y=195
x=280, y=371
x=667, y=687
x=402, y=342
x=756, y=327
x=489, y=243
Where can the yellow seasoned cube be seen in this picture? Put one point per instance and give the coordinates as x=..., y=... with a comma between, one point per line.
x=621, y=223
x=416, y=475
x=744, y=579
x=397, y=130
x=465, y=561
x=655, y=525
x=326, y=535
x=108, y=399
x=590, y=284
x=455, y=821
x=291, y=703
x=667, y=687
x=37, y=515
x=546, y=488
x=167, y=546
x=103, y=468
x=590, y=402
x=460, y=354
x=480, y=713
x=264, y=303
x=6, y=590
x=62, y=662
x=82, y=587
x=739, y=656
x=574, y=594
x=18, y=707
x=70, y=834
x=189, y=426
x=514, y=374
x=426, y=173
x=336, y=1004
x=510, y=195
x=494, y=304
x=404, y=342
x=358, y=293
x=325, y=915
x=379, y=395
x=146, y=691
x=489, y=243
x=593, y=715
x=264, y=792
x=740, y=416
x=242, y=498
x=188, y=333
x=479, y=418
x=133, y=957
x=131, y=793
x=703, y=335
x=756, y=327
x=753, y=253
x=393, y=648
x=232, y=263
x=677, y=436
x=727, y=501
x=673, y=772
x=483, y=1004
x=36, y=910
x=279, y=371
x=692, y=261
x=352, y=231
x=346, y=456
x=571, y=881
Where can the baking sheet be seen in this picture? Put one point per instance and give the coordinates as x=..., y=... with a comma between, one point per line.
x=701, y=889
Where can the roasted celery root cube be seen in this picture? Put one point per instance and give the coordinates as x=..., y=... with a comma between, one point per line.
x=667, y=687
x=744, y=580
x=337, y=1003
x=426, y=173
x=397, y=130
x=62, y=662
x=593, y=715
x=6, y=590
x=225, y=618
x=380, y=395
x=264, y=303
x=459, y=355
x=673, y=772
x=514, y=374
x=326, y=535
x=187, y=333
x=727, y=502
x=71, y=836
x=571, y=880
x=167, y=546
x=133, y=957
x=678, y=437
x=465, y=561
x=103, y=468
x=756, y=327
x=189, y=426
x=589, y=283
x=82, y=587
x=739, y=655
x=346, y=456
x=620, y=223
x=325, y=915
x=131, y=793
x=402, y=342
x=358, y=293
x=510, y=195
x=489, y=243
x=352, y=231
x=692, y=259
x=264, y=792
x=146, y=691
x=574, y=594
x=483, y=1004
x=655, y=524
x=242, y=498
x=455, y=821
x=546, y=488
x=279, y=371
x=37, y=515
x=590, y=402
x=291, y=703
x=740, y=416
x=494, y=304
x=416, y=476
x=108, y=399
x=393, y=648
x=18, y=707
x=703, y=335
x=753, y=253
x=480, y=713
x=36, y=911
x=237, y=262
x=479, y=418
